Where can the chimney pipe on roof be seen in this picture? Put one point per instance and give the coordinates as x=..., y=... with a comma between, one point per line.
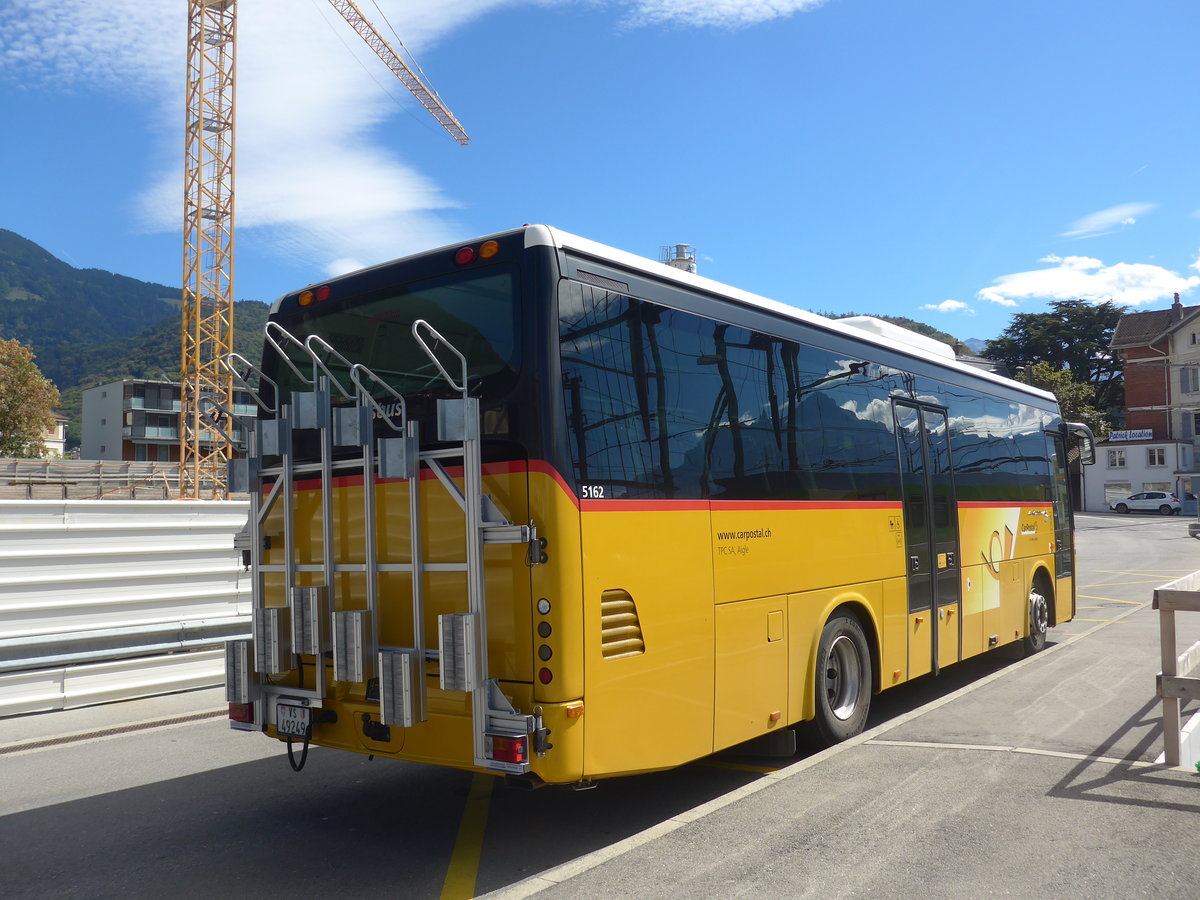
x=1177, y=309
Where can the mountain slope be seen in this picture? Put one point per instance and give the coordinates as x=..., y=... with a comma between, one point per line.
x=55, y=307
x=152, y=354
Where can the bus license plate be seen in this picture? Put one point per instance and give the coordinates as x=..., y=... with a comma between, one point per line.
x=292, y=721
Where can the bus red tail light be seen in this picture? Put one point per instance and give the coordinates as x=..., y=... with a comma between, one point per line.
x=464, y=255
x=508, y=749
x=241, y=712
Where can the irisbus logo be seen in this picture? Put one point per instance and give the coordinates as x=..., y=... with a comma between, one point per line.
x=390, y=410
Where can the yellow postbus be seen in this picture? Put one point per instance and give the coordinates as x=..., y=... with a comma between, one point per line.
x=534, y=506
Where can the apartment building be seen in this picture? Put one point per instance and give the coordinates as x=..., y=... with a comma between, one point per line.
x=139, y=420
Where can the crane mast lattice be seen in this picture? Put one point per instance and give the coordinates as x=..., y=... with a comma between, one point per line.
x=207, y=334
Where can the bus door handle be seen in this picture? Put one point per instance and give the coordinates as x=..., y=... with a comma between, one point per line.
x=914, y=563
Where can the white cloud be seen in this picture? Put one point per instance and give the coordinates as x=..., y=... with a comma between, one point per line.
x=1085, y=278
x=313, y=183
x=1106, y=220
x=718, y=13
x=949, y=306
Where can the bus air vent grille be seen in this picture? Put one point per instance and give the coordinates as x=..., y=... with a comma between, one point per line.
x=620, y=628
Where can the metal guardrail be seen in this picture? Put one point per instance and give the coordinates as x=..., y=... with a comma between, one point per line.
x=104, y=600
x=1176, y=681
x=43, y=651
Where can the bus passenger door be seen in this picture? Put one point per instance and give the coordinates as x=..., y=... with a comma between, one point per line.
x=1064, y=551
x=931, y=538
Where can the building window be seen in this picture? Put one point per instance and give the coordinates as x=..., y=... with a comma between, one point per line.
x=1156, y=456
x=104, y=421
x=1164, y=486
x=1116, y=459
x=1189, y=379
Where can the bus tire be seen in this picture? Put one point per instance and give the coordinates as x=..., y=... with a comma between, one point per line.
x=1039, y=618
x=844, y=680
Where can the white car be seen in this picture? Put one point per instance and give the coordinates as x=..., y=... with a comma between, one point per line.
x=1148, y=501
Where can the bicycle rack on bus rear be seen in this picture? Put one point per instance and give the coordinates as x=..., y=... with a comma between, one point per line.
x=310, y=623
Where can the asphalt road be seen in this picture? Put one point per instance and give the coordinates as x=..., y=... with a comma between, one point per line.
x=1001, y=777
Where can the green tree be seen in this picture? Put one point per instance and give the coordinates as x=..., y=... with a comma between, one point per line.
x=1077, y=400
x=27, y=402
x=1074, y=335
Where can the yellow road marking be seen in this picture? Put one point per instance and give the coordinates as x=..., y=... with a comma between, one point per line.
x=468, y=846
x=739, y=767
x=1110, y=600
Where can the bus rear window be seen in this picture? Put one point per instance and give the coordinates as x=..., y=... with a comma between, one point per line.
x=477, y=311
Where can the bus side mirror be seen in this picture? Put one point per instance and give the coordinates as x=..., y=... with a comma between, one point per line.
x=1085, y=441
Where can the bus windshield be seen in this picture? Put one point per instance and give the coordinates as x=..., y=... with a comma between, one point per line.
x=477, y=311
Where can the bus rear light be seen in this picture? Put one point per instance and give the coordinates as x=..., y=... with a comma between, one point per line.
x=574, y=710
x=241, y=712
x=545, y=676
x=508, y=749
x=305, y=299
x=489, y=249
x=464, y=255
x=323, y=293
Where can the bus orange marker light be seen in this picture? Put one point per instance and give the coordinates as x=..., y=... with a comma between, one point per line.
x=775, y=716
x=305, y=299
x=920, y=620
x=323, y=293
x=895, y=674
x=574, y=711
x=464, y=255
x=489, y=249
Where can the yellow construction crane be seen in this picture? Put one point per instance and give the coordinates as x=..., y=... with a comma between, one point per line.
x=207, y=333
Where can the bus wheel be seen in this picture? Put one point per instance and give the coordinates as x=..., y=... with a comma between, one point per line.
x=1039, y=619
x=843, y=680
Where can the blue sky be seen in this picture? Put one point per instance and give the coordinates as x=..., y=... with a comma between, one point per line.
x=955, y=161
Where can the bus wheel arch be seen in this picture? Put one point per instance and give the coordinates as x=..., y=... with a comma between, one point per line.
x=845, y=675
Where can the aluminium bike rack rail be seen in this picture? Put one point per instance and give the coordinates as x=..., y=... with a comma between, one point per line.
x=310, y=623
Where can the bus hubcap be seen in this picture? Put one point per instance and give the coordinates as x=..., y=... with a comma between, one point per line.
x=1039, y=613
x=842, y=676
